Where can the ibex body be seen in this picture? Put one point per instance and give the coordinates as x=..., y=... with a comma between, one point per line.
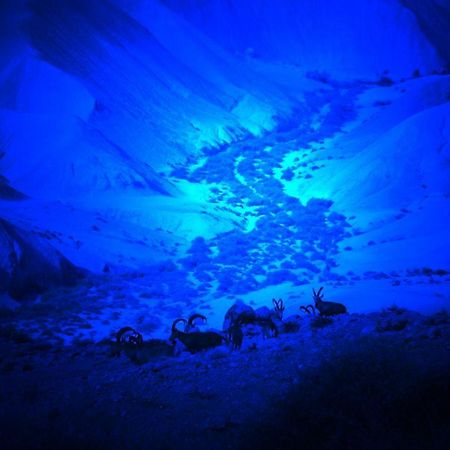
x=270, y=320
x=327, y=308
x=268, y=328
x=197, y=340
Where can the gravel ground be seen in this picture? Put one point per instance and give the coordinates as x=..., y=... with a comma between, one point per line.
x=303, y=387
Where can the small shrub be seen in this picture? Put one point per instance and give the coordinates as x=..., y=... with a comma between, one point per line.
x=382, y=103
x=13, y=334
x=291, y=327
x=288, y=175
x=396, y=309
x=321, y=77
x=220, y=353
x=385, y=81
x=391, y=325
x=321, y=322
x=440, y=318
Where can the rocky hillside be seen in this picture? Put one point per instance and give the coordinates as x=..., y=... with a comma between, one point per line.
x=376, y=381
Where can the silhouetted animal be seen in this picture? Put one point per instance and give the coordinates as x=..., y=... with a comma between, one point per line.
x=327, y=308
x=235, y=336
x=153, y=348
x=132, y=344
x=130, y=336
x=278, y=307
x=270, y=320
x=269, y=329
x=197, y=340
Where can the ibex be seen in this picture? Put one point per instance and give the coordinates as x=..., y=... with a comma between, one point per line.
x=140, y=352
x=129, y=336
x=268, y=327
x=327, y=308
x=197, y=340
x=270, y=320
x=235, y=335
x=278, y=307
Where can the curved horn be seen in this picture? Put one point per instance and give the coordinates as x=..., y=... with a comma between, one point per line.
x=121, y=332
x=306, y=309
x=314, y=293
x=320, y=290
x=174, y=325
x=190, y=322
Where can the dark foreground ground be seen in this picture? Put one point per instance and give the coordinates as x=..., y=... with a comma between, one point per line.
x=378, y=381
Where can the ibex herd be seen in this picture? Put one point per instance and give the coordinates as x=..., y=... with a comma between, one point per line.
x=270, y=322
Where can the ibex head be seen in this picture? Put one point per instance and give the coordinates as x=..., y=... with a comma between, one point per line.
x=129, y=336
x=318, y=296
x=278, y=307
x=175, y=332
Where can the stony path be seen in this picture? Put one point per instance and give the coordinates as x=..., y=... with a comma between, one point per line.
x=277, y=238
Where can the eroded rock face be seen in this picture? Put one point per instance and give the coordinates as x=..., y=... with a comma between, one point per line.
x=342, y=40
x=264, y=313
x=7, y=192
x=29, y=265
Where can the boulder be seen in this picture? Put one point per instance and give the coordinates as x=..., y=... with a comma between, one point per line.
x=239, y=312
x=7, y=192
x=264, y=313
x=29, y=265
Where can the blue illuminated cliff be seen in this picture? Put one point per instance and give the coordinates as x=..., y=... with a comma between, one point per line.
x=160, y=158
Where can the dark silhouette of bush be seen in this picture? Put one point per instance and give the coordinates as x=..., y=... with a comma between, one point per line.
x=385, y=81
x=373, y=397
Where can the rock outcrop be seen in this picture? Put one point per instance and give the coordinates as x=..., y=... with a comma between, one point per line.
x=29, y=265
x=239, y=312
